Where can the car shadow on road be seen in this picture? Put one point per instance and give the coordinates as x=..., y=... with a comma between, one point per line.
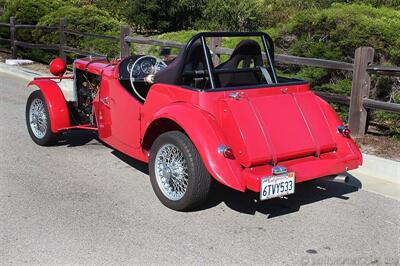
x=306, y=193
x=247, y=203
x=138, y=165
x=74, y=138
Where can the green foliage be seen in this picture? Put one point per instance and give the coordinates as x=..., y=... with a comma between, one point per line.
x=233, y=15
x=29, y=11
x=178, y=36
x=162, y=15
x=391, y=120
x=280, y=11
x=335, y=32
x=3, y=4
x=81, y=16
x=87, y=18
x=342, y=86
x=115, y=7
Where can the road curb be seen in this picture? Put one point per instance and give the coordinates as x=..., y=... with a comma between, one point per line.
x=382, y=168
x=20, y=72
x=27, y=74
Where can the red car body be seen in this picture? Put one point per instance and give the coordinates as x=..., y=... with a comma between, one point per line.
x=286, y=125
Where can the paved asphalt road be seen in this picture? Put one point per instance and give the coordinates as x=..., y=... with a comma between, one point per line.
x=82, y=202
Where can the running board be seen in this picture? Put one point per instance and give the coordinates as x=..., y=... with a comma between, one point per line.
x=83, y=127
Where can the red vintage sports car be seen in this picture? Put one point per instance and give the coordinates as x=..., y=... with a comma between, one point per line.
x=237, y=122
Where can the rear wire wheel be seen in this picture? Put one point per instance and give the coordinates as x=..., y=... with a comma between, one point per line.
x=177, y=172
x=38, y=120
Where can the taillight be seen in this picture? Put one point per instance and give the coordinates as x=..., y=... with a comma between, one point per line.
x=225, y=151
x=344, y=130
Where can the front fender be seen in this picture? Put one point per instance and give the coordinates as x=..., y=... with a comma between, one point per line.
x=205, y=134
x=56, y=104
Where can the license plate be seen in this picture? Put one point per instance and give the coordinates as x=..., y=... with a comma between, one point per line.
x=277, y=186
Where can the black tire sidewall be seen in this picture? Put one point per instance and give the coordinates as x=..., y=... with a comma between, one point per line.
x=50, y=138
x=191, y=197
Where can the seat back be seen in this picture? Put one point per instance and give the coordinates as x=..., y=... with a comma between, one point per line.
x=247, y=54
x=193, y=61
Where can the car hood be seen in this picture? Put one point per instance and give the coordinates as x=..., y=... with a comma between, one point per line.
x=266, y=129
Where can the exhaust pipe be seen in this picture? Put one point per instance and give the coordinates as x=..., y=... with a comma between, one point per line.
x=341, y=178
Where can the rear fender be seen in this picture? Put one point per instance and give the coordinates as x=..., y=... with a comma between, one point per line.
x=205, y=134
x=347, y=147
x=56, y=104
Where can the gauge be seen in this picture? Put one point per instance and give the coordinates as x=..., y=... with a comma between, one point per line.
x=147, y=67
x=129, y=66
x=160, y=66
x=135, y=68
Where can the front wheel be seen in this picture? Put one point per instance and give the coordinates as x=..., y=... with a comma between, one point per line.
x=38, y=120
x=177, y=173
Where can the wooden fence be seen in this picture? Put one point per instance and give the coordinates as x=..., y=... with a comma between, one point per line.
x=359, y=101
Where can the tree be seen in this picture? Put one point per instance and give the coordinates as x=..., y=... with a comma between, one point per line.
x=234, y=15
x=30, y=11
x=163, y=15
x=115, y=7
x=2, y=6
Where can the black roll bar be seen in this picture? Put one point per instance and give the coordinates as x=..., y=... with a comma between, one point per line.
x=266, y=40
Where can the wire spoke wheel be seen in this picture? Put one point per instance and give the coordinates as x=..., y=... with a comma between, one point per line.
x=177, y=173
x=38, y=118
x=171, y=172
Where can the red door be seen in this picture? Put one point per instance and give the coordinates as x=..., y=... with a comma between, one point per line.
x=119, y=117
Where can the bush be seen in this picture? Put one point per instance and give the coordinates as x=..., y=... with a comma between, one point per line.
x=27, y=12
x=335, y=33
x=280, y=11
x=30, y=11
x=84, y=19
x=162, y=15
x=232, y=15
x=114, y=7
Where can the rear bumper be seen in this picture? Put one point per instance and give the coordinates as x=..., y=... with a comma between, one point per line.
x=307, y=168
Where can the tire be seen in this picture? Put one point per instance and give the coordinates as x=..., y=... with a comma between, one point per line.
x=187, y=171
x=38, y=120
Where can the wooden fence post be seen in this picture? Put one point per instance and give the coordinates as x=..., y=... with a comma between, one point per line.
x=215, y=42
x=12, y=38
x=63, y=25
x=360, y=89
x=125, y=48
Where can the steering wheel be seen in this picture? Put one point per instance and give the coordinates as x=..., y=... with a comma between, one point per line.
x=142, y=67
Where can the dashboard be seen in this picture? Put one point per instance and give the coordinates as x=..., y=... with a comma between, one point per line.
x=140, y=66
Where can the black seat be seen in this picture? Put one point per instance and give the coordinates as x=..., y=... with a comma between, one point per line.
x=173, y=73
x=247, y=54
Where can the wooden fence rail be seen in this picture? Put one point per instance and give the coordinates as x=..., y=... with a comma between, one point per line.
x=358, y=102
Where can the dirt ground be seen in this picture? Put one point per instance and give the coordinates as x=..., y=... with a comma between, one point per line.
x=382, y=146
x=375, y=144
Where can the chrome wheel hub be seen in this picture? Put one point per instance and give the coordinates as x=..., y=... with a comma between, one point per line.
x=38, y=118
x=171, y=172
